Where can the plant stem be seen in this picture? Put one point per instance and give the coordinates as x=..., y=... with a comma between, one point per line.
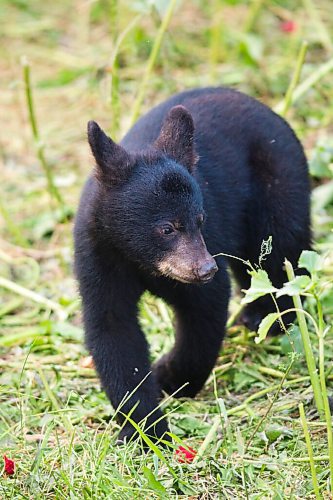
x=215, y=46
x=295, y=78
x=302, y=460
x=253, y=10
x=152, y=59
x=35, y=297
x=296, y=460
x=322, y=377
x=262, y=392
x=310, y=451
x=309, y=82
x=312, y=369
x=113, y=17
x=115, y=100
x=54, y=192
x=21, y=337
x=209, y=438
x=114, y=93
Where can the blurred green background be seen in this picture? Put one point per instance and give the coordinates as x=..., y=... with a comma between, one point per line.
x=66, y=62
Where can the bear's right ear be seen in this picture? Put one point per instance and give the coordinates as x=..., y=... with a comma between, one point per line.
x=113, y=162
x=176, y=138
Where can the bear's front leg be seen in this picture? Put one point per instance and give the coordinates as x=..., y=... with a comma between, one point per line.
x=201, y=316
x=119, y=349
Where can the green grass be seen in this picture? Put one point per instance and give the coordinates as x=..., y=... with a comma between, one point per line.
x=255, y=423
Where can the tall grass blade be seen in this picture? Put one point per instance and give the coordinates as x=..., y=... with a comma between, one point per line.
x=310, y=451
x=295, y=78
x=308, y=83
x=309, y=356
x=328, y=416
x=151, y=60
x=52, y=188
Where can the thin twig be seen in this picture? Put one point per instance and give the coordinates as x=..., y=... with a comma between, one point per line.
x=263, y=392
x=263, y=418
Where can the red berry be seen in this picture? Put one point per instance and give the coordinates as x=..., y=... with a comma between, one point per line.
x=288, y=26
x=9, y=466
x=185, y=455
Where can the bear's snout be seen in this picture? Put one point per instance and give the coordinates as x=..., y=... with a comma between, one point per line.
x=207, y=270
x=189, y=262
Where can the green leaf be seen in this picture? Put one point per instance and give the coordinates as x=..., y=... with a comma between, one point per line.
x=44, y=223
x=67, y=331
x=295, y=286
x=274, y=431
x=265, y=325
x=153, y=483
x=260, y=285
x=192, y=426
x=63, y=77
x=311, y=261
x=322, y=160
x=322, y=196
x=252, y=47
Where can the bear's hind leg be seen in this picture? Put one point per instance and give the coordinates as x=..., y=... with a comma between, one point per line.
x=279, y=206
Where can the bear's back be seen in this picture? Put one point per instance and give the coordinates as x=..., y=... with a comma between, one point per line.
x=219, y=113
x=234, y=135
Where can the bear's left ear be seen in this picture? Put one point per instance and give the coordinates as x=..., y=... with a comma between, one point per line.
x=176, y=138
x=113, y=163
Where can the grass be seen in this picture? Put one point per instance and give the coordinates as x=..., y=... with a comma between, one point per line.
x=255, y=424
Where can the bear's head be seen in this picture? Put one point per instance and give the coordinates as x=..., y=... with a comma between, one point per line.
x=150, y=205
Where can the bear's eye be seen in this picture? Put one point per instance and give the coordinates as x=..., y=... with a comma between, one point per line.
x=167, y=229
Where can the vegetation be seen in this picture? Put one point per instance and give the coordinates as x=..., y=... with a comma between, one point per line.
x=262, y=426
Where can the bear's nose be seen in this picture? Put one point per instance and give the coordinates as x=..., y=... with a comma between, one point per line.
x=207, y=270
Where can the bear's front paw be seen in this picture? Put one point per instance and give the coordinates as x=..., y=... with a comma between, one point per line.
x=255, y=312
x=171, y=378
x=126, y=434
x=162, y=372
x=251, y=317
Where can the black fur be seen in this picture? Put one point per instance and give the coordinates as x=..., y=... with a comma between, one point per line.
x=245, y=173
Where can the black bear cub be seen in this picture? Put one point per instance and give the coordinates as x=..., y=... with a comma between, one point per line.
x=208, y=171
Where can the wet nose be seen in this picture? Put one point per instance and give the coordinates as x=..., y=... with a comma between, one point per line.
x=207, y=270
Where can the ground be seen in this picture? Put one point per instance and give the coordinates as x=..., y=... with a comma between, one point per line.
x=90, y=60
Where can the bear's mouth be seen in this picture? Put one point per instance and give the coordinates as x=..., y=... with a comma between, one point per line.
x=190, y=279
